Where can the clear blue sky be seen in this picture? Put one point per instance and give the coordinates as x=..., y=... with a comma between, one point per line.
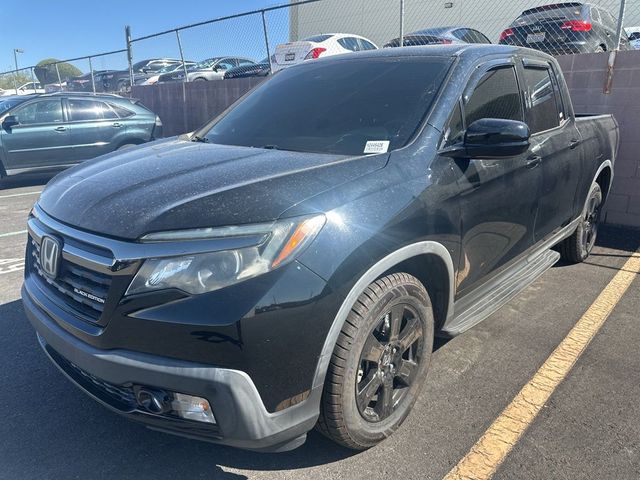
x=72, y=28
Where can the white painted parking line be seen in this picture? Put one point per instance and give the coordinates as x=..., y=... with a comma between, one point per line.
x=20, y=194
x=11, y=265
x=11, y=234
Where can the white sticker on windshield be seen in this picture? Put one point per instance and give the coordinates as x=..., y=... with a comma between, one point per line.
x=377, y=146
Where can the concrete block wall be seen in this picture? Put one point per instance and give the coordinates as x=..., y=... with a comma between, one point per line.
x=586, y=76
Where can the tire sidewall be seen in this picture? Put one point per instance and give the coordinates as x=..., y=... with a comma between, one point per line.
x=367, y=433
x=594, y=191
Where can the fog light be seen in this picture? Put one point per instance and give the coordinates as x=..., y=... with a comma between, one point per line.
x=192, y=408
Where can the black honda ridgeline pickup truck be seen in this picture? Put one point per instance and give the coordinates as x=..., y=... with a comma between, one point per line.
x=289, y=264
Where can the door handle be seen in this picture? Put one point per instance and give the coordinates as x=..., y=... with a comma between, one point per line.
x=533, y=161
x=573, y=144
x=116, y=125
x=60, y=129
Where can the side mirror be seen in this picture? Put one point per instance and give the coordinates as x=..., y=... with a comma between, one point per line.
x=10, y=121
x=491, y=138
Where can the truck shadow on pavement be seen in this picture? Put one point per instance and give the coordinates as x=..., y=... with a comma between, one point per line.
x=75, y=437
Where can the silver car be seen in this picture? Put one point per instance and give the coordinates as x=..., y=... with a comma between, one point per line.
x=209, y=69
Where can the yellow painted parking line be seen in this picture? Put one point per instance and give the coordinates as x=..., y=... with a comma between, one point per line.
x=491, y=449
x=20, y=194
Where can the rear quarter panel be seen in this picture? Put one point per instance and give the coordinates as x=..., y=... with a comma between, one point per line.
x=600, y=138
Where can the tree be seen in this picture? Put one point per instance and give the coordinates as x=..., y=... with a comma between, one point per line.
x=9, y=81
x=45, y=70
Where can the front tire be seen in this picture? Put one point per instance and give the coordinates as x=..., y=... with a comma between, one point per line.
x=379, y=363
x=577, y=247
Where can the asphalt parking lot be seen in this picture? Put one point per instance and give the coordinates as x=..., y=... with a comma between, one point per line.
x=589, y=428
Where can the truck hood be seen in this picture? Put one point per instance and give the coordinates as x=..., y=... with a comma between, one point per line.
x=178, y=184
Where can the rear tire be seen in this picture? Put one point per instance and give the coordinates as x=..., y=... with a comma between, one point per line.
x=379, y=363
x=199, y=79
x=600, y=48
x=577, y=247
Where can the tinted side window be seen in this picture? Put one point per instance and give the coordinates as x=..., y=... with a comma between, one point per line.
x=364, y=45
x=121, y=111
x=43, y=111
x=225, y=64
x=495, y=96
x=542, y=105
x=89, y=110
x=350, y=43
x=461, y=34
x=474, y=36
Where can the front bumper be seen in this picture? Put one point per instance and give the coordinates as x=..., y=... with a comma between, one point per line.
x=242, y=419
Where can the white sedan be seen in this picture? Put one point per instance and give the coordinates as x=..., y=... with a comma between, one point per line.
x=26, y=89
x=317, y=46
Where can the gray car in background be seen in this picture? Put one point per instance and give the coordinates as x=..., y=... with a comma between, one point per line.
x=439, y=36
x=58, y=130
x=209, y=69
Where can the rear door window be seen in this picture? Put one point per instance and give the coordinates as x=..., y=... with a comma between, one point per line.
x=82, y=110
x=41, y=112
x=366, y=45
x=496, y=96
x=121, y=111
x=543, y=105
x=350, y=43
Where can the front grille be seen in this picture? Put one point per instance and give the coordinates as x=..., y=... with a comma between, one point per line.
x=77, y=288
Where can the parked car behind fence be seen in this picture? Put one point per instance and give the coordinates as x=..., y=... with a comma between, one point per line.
x=209, y=69
x=565, y=28
x=60, y=129
x=440, y=36
x=260, y=69
x=317, y=46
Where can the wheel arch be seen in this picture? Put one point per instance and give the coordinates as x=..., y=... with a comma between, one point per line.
x=604, y=177
x=429, y=261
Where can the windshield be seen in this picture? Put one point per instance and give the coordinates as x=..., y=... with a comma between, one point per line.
x=6, y=105
x=367, y=105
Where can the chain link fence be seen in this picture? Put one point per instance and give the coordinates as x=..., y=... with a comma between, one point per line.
x=264, y=41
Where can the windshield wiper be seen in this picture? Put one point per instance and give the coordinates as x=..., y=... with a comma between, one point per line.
x=197, y=138
x=271, y=147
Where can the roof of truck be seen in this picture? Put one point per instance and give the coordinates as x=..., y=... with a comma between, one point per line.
x=466, y=51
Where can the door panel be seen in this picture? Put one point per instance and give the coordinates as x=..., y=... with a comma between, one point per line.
x=93, y=127
x=41, y=139
x=498, y=197
x=554, y=140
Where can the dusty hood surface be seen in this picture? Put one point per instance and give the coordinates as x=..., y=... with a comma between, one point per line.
x=177, y=184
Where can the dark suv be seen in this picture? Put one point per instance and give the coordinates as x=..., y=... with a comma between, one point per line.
x=565, y=28
x=60, y=129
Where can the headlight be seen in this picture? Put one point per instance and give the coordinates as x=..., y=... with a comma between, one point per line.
x=205, y=272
